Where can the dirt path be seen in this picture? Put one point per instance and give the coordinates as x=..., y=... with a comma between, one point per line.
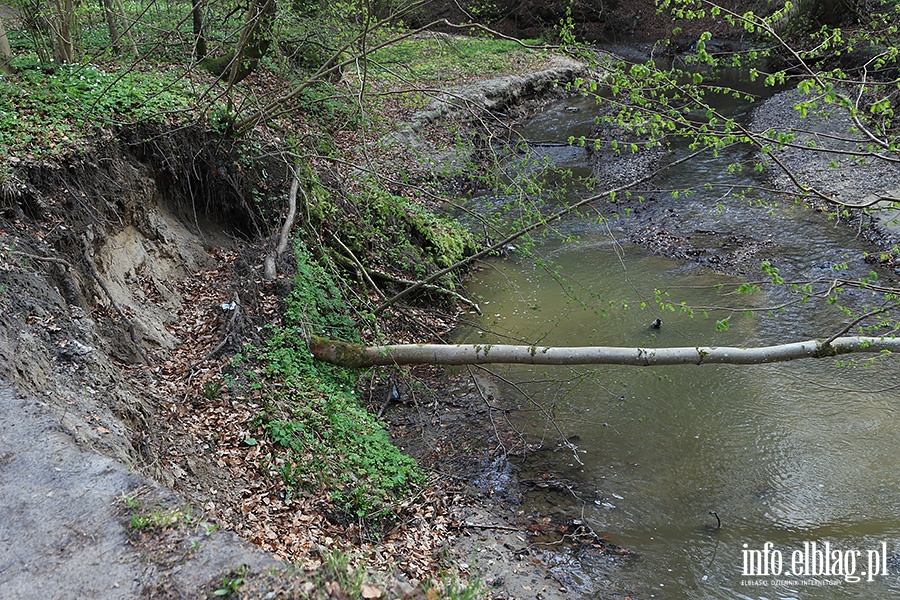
x=66, y=519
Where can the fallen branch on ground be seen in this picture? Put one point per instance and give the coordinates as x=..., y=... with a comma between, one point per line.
x=229, y=334
x=368, y=273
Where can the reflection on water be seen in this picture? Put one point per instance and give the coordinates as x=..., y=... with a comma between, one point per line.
x=788, y=453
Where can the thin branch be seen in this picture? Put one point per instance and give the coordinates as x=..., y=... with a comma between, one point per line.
x=270, y=270
x=229, y=334
x=50, y=259
x=534, y=226
x=547, y=413
x=857, y=321
x=364, y=273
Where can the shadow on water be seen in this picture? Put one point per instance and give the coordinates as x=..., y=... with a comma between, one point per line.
x=792, y=454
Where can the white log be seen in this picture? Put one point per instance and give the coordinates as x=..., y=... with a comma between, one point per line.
x=353, y=355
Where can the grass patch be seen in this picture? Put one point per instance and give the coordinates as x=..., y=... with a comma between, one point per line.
x=439, y=59
x=152, y=518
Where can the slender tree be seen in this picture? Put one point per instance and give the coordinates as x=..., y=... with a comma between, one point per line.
x=5, y=51
x=63, y=29
x=199, y=35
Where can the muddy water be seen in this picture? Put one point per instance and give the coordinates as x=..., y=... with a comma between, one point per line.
x=798, y=455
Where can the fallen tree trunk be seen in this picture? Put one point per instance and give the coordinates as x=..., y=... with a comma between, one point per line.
x=355, y=355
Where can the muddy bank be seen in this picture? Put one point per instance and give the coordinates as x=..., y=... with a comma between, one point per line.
x=498, y=95
x=486, y=107
x=453, y=422
x=653, y=219
x=842, y=177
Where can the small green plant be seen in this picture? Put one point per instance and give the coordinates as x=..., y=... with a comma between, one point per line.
x=139, y=522
x=336, y=567
x=212, y=390
x=207, y=527
x=452, y=587
x=157, y=518
x=232, y=582
x=131, y=501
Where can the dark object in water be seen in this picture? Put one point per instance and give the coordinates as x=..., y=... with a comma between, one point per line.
x=393, y=393
x=656, y=324
x=505, y=250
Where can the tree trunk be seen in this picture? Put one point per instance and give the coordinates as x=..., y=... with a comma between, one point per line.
x=63, y=25
x=111, y=19
x=128, y=30
x=255, y=39
x=199, y=37
x=355, y=356
x=5, y=51
x=269, y=268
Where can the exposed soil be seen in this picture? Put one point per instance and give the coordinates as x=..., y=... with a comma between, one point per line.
x=65, y=530
x=93, y=256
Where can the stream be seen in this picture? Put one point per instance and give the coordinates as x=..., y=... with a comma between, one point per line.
x=798, y=461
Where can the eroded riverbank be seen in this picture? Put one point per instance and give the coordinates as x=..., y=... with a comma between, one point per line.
x=115, y=320
x=471, y=520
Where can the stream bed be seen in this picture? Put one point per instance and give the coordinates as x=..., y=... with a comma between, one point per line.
x=752, y=482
